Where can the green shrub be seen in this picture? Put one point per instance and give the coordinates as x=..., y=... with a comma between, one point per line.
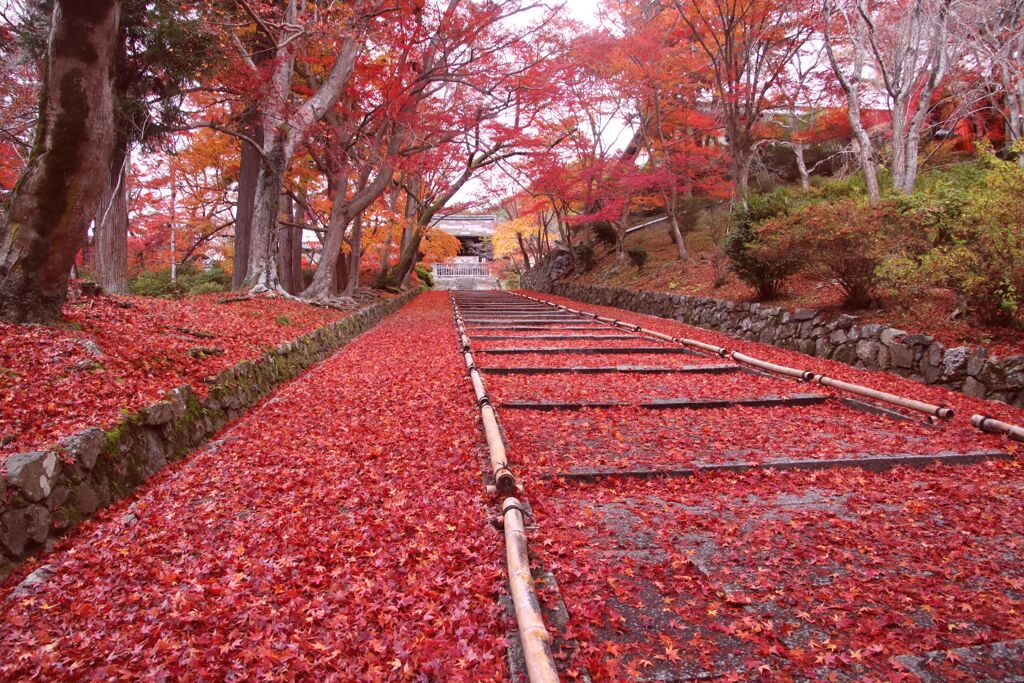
x=190, y=281
x=426, y=275
x=638, y=256
x=763, y=269
x=206, y=288
x=975, y=243
x=845, y=241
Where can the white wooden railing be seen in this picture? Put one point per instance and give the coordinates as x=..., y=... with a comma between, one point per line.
x=461, y=270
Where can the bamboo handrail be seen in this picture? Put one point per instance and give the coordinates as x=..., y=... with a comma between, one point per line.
x=504, y=480
x=533, y=634
x=803, y=375
x=941, y=412
x=991, y=425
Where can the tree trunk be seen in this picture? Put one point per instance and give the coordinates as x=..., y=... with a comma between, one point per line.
x=741, y=161
x=324, y=282
x=866, y=154
x=56, y=197
x=677, y=234
x=340, y=275
x=407, y=259
x=111, y=228
x=262, y=275
x=801, y=165
x=295, y=252
x=526, y=254
x=850, y=84
x=285, y=233
x=248, y=177
x=355, y=256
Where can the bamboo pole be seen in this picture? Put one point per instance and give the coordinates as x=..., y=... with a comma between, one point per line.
x=504, y=479
x=941, y=412
x=802, y=375
x=533, y=634
x=992, y=426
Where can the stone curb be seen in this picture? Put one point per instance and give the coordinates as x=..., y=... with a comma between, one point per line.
x=971, y=370
x=44, y=494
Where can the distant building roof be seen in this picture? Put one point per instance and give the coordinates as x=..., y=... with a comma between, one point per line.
x=461, y=225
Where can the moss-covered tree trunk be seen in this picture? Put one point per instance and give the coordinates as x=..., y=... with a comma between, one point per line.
x=57, y=196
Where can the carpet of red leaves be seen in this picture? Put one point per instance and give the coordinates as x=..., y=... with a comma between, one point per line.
x=337, y=532
x=839, y=575
x=50, y=387
x=779, y=576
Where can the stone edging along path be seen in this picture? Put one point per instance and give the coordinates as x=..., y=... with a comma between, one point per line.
x=971, y=370
x=44, y=494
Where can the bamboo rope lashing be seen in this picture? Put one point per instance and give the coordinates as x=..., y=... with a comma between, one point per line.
x=533, y=634
x=991, y=425
x=941, y=412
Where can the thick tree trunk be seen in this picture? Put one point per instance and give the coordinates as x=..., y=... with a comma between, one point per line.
x=57, y=196
x=866, y=155
x=295, y=251
x=248, y=177
x=741, y=160
x=407, y=259
x=283, y=130
x=262, y=275
x=342, y=213
x=340, y=275
x=324, y=280
x=526, y=254
x=111, y=228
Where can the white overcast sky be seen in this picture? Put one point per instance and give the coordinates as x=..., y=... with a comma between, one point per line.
x=584, y=10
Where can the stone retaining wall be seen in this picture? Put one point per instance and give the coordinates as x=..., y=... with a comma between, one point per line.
x=46, y=493
x=972, y=370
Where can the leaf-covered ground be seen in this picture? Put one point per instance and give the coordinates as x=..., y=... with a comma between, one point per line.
x=837, y=575
x=55, y=381
x=337, y=532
